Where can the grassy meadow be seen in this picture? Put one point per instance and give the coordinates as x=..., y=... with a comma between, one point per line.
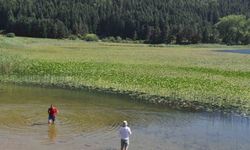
x=190, y=74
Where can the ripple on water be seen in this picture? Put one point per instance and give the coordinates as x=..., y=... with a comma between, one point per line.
x=92, y=122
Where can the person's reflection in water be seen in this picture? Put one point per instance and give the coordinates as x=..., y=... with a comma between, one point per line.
x=52, y=133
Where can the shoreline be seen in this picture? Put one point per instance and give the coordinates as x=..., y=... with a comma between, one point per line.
x=164, y=101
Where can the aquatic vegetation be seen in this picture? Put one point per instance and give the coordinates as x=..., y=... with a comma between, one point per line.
x=187, y=77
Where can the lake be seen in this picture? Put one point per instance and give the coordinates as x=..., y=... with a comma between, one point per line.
x=90, y=121
x=245, y=51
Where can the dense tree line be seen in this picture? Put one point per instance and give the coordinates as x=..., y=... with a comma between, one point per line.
x=155, y=21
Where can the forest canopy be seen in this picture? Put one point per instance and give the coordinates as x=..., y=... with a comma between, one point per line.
x=154, y=21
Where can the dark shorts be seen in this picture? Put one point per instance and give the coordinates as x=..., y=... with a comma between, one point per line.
x=124, y=143
x=53, y=118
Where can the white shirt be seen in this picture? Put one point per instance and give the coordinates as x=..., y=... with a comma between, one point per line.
x=125, y=132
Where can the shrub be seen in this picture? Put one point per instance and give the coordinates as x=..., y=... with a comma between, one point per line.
x=118, y=39
x=90, y=37
x=72, y=37
x=10, y=35
x=109, y=39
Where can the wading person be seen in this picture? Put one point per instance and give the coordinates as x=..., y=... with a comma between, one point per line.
x=124, y=132
x=52, y=111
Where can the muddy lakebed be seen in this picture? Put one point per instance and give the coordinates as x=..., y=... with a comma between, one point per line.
x=90, y=121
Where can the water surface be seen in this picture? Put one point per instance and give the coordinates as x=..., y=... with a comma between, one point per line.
x=90, y=121
x=242, y=51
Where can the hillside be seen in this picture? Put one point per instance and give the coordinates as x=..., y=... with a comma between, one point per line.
x=156, y=21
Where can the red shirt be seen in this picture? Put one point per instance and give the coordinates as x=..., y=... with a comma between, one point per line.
x=53, y=111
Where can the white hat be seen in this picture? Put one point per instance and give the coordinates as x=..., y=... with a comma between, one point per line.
x=125, y=123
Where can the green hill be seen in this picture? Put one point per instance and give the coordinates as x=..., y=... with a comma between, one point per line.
x=155, y=21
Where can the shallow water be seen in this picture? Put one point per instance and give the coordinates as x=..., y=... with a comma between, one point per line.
x=89, y=121
x=245, y=51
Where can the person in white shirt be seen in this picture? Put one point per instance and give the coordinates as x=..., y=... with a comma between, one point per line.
x=125, y=132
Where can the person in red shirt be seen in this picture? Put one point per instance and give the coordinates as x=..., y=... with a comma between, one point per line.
x=52, y=111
